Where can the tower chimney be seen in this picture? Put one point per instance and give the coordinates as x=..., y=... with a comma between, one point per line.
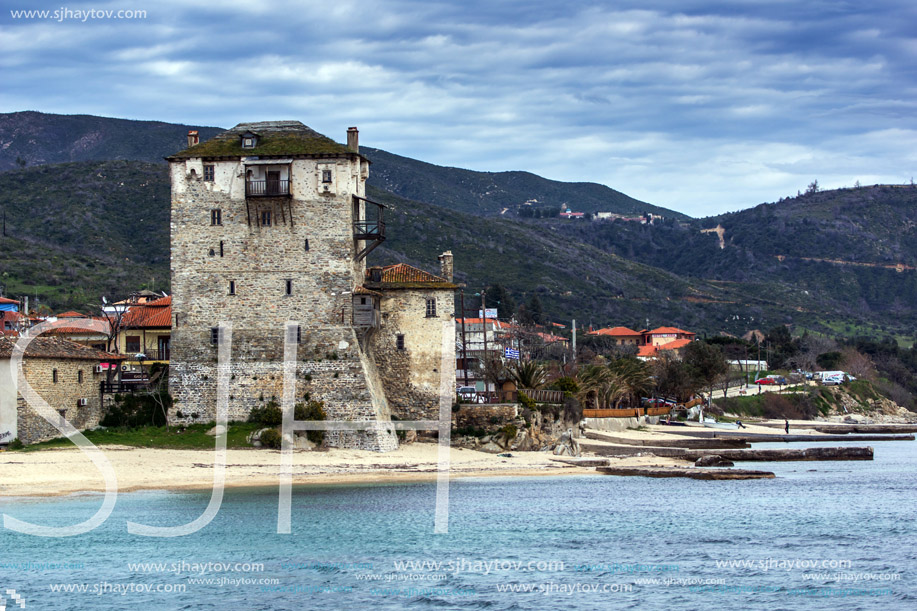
x=353, y=139
x=445, y=265
x=193, y=138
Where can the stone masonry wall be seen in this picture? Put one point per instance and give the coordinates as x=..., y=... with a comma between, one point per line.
x=61, y=396
x=260, y=261
x=411, y=377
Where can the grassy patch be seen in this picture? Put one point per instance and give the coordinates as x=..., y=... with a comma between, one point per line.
x=191, y=437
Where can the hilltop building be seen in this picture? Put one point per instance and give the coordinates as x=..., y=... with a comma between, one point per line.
x=270, y=223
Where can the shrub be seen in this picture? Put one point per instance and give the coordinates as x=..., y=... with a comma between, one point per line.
x=15, y=444
x=269, y=415
x=136, y=410
x=566, y=384
x=526, y=401
x=313, y=410
x=509, y=432
x=271, y=438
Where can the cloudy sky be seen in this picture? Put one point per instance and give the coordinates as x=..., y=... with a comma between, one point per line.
x=702, y=106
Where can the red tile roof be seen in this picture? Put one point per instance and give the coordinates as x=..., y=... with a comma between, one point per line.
x=403, y=273
x=152, y=315
x=60, y=327
x=669, y=330
x=72, y=314
x=650, y=350
x=5, y=300
x=57, y=348
x=617, y=332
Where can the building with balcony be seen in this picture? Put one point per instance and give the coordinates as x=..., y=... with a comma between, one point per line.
x=271, y=225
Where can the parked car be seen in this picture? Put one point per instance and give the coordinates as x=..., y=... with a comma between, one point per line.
x=765, y=381
x=469, y=394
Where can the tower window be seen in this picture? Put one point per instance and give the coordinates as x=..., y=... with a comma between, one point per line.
x=215, y=335
x=298, y=334
x=431, y=308
x=289, y=287
x=265, y=218
x=216, y=217
x=232, y=287
x=79, y=376
x=307, y=245
x=221, y=248
x=399, y=341
x=208, y=173
x=54, y=375
x=326, y=176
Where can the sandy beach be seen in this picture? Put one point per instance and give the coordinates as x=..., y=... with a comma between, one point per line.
x=65, y=471
x=68, y=470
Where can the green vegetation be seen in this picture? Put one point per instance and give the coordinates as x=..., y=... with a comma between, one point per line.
x=313, y=410
x=269, y=415
x=271, y=438
x=190, y=437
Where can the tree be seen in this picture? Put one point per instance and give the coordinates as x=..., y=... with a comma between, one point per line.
x=600, y=387
x=829, y=361
x=706, y=364
x=499, y=297
x=528, y=374
x=672, y=377
x=535, y=310
x=813, y=187
x=635, y=376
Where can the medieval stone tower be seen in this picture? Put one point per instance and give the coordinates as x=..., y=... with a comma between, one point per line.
x=270, y=224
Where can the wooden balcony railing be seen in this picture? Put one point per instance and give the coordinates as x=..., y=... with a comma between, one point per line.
x=369, y=230
x=267, y=188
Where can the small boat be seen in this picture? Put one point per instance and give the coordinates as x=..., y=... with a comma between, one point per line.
x=713, y=424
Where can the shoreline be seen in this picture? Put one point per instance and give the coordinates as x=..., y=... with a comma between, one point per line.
x=67, y=471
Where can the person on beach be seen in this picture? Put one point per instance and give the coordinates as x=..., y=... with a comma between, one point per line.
x=739, y=422
x=786, y=426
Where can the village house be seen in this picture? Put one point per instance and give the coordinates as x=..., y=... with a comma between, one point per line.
x=622, y=336
x=270, y=225
x=146, y=329
x=64, y=374
x=407, y=349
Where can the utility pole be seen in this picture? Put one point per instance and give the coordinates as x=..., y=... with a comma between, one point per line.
x=574, y=340
x=484, y=320
x=464, y=342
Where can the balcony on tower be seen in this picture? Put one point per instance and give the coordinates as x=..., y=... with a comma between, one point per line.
x=267, y=177
x=368, y=225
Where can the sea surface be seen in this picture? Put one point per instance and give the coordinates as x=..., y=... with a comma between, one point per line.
x=822, y=535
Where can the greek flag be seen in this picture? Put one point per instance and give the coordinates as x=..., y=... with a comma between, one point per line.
x=511, y=353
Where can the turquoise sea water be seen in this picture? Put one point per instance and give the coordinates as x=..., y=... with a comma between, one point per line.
x=831, y=535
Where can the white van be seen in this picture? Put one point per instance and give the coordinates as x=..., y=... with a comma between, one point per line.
x=833, y=378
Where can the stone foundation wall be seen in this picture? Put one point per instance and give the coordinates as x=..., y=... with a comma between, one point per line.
x=329, y=368
x=484, y=416
x=411, y=377
x=61, y=396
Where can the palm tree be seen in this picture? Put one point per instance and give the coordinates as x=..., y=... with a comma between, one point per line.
x=600, y=386
x=529, y=374
x=636, y=377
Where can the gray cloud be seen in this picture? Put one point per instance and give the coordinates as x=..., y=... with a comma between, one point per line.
x=700, y=106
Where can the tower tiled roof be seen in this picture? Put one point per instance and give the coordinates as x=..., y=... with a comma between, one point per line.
x=402, y=275
x=275, y=138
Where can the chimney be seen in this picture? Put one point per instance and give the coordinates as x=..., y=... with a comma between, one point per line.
x=353, y=139
x=445, y=265
x=193, y=138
